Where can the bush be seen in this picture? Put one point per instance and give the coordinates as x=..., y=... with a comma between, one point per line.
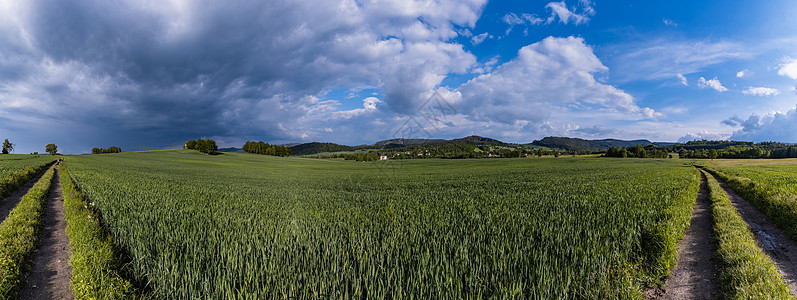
x=109, y=150
x=205, y=146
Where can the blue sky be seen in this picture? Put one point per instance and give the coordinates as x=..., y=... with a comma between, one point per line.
x=152, y=74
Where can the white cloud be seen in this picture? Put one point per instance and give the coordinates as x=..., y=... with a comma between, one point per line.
x=683, y=79
x=553, y=75
x=567, y=15
x=711, y=83
x=478, y=39
x=486, y=67
x=662, y=58
x=742, y=73
x=761, y=91
x=703, y=135
x=669, y=22
x=776, y=126
x=575, y=15
x=524, y=19
x=788, y=68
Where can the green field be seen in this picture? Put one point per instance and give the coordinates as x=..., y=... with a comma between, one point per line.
x=12, y=163
x=771, y=187
x=240, y=225
x=16, y=169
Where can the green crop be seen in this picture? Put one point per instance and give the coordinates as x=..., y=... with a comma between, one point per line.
x=16, y=169
x=94, y=258
x=239, y=226
x=19, y=234
x=772, y=189
x=747, y=273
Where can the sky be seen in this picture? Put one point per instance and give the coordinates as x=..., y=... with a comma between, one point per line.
x=152, y=74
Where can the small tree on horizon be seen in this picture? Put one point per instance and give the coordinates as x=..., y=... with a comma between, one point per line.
x=51, y=148
x=7, y=147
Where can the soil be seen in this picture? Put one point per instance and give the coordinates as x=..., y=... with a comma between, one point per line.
x=8, y=204
x=775, y=242
x=694, y=273
x=51, y=273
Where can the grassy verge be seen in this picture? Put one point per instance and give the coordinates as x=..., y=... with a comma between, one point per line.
x=779, y=208
x=95, y=264
x=19, y=235
x=11, y=182
x=747, y=273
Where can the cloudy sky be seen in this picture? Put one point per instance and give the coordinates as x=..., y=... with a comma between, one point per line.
x=150, y=74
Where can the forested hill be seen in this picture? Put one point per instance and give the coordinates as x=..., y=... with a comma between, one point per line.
x=316, y=147
x=560, y=143
x=582, y=145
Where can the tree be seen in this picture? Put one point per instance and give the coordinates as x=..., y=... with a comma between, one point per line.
x=113, y=149
x=7, y=147
x=51, y=148
x=712, y=154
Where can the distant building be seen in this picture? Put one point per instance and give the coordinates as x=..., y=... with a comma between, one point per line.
x=383, y=157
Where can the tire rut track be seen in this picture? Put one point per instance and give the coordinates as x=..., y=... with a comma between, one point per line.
x=775, y=242
x=51, y=273
x=693, y=275
x=9, y=203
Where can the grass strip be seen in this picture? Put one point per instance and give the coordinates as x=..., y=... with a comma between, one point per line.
x=747, y=273
x=19, y=235
x=11, y=182
x=779, y=208
x=95, y=265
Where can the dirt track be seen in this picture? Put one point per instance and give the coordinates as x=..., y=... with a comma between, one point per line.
x=775, y=242
x=8, y=204
x=693, y=275
x=51, y=273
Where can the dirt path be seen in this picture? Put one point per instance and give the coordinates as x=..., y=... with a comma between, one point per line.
x=8, y=204
x=774, y=241
x=693, y=275
x=51, y=272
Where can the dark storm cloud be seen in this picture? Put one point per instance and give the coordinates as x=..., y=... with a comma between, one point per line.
x=171, y=70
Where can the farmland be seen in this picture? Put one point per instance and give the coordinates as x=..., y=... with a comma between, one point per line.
x=249, y=226
x=15, y=163
x=769, y=185
x=15, y=170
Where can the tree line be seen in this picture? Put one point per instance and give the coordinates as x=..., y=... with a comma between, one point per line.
x=704, y=149
x=205, y=146
x=637, y=151
x=442, y=150
x=266, y=149
x=113, y=149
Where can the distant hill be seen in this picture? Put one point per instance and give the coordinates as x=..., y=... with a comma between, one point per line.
x=561, y=143
x=582, y=145
x=231, y=149
x=398, y=143
x=316, y=147
x=479, y=141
